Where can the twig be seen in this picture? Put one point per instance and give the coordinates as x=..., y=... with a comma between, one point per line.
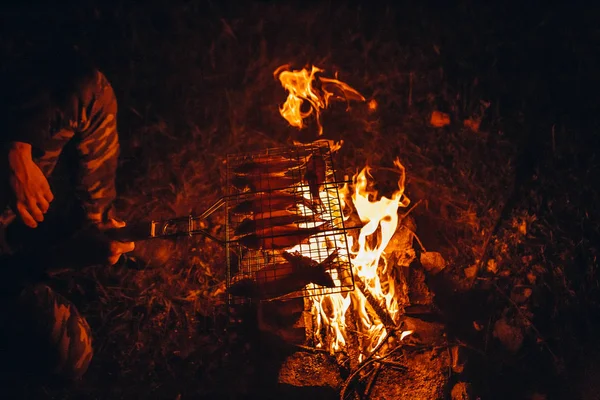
x=411, y=209
x=381, y=314
x=392, y=364
x=374, y=374
x=368, y=361
x=311, y=349
x=416, y=237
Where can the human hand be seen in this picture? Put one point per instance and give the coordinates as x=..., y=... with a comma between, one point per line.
x=31, y=192
x=115, y=248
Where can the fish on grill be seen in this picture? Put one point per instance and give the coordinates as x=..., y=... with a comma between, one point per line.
x=269, y=165
x=280, y=279
x=315, y=176
x=249, y=225
x=267, y=202
x=265, y=183
x=281, y=237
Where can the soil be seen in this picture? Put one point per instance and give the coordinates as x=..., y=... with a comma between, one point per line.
x=195, y=82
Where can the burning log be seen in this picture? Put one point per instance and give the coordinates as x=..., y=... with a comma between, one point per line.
x=374, y=306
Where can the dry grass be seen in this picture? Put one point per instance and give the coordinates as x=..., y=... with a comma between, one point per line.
x=195, y=83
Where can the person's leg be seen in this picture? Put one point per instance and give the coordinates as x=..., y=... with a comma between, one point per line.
x=80, y=162
x=50, y=339
x=98, y=149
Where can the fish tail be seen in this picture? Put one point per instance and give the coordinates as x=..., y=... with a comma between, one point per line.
x=321, y=277
x=330, y=258
x=251, y=241
x=243, y=207
x=245, y=287
x=245, y=227
x=328, y=225
x=240, y=182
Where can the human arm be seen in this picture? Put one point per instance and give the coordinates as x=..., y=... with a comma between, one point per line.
x=30, y=194
x=87, y=247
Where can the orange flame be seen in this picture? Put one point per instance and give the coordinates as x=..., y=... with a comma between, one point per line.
x=369, y=266
x=380, y=218
x=299, y=85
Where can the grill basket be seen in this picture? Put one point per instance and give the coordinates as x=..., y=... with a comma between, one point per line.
x=261, y=188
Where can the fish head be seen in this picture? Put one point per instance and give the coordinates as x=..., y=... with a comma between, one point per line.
x=245, y=288
x=321, y=277
x=251, y=241
x=240, y=182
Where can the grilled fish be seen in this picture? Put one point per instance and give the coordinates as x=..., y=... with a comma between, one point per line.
x=264, y=183
x=271, y=201
x=269, y=165
x=315, y=176
x=280, y=279
x=250, y=225
x=281, y=237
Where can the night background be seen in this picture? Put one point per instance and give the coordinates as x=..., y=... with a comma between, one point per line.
x=194, y=81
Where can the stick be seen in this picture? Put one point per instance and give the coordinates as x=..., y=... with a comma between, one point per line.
x=380, y=312
x=368, y=361
x=374, y=374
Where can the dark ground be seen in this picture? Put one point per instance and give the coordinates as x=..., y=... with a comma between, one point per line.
x=194, y=82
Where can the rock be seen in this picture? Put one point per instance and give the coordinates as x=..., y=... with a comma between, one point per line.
x=461, y=391
x=424, y=332
x=425, y=377
x=520, y=294
x=439, y=119
x=432, y=262
x=418, y=290
x=458, y=359
x=471, y=272
x=310, y=369
x=510, y=336
x=472, y=124
x=284, y=319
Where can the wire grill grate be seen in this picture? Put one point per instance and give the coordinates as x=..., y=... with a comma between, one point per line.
x=284, y=204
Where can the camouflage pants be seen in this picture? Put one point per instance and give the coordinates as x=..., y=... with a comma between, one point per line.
x=44, y=336
x=40, y=329
x=93, y=143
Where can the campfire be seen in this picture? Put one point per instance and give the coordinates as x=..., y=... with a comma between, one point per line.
x=352, y=226
x=295, y=231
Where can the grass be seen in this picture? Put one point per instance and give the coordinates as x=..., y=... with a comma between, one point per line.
x=194, y=82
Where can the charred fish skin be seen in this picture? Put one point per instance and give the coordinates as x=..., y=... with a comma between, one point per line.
x=315, y=176
x=270, y=169
x=284, y=240
x=275, y=200
x=281, y=279
x=270, y=165
x=315, y=272
x=264, y=183
x=244, y=288
x=249, y=225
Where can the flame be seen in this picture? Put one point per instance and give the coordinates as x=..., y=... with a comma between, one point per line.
x=370, y=268
x=374, y=281
x=299, y=85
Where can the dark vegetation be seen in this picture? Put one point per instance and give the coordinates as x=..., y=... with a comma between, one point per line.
x=194, y=82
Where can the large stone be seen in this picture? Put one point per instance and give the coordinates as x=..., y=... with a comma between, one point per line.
x=304, y=369
x=425, y=377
